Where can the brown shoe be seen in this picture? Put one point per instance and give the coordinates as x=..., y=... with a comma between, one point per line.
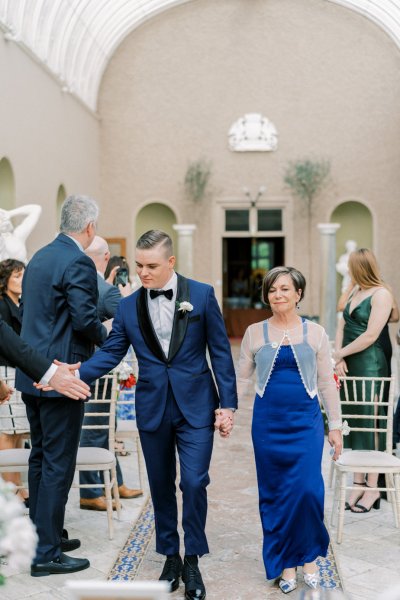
x=125, y=492
x=99, y=503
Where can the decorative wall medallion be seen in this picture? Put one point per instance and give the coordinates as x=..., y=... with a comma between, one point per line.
x=253, y=133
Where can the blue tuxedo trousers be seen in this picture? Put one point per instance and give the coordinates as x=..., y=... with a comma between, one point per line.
x=55, y=430
x=194, y=447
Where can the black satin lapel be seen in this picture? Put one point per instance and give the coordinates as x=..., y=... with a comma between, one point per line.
x=146, y=326
x=180, y=320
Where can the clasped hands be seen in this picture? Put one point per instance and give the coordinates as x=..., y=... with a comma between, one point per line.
x=65, y=382
x=223, y=421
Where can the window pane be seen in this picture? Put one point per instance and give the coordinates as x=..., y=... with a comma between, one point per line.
x=263, y=250
x=269, y=220
x=237, y=220
x=263, y=263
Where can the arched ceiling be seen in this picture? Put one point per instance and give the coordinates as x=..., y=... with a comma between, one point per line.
x=75, y=39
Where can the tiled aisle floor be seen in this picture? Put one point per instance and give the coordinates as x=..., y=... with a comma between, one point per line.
x=368, y=558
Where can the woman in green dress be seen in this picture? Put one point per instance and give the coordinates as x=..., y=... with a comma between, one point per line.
x=359, y=353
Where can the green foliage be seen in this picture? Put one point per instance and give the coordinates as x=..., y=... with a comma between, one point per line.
x=196, y=179
x=306, y=178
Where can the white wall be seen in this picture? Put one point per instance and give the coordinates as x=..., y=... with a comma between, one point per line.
x=48, y=136
x=327, y=77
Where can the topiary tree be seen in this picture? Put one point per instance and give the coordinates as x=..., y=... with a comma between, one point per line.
x=306, y=178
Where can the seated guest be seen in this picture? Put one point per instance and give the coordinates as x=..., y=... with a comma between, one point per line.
x=108, y=301
x=11, y=273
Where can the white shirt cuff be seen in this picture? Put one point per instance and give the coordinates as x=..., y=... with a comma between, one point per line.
x=49, y=374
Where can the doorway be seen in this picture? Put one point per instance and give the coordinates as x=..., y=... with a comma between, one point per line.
x=245, y=262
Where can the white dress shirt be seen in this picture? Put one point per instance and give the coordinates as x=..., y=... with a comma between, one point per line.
x=162, y=312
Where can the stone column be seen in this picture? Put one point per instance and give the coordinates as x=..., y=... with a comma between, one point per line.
x=184, y=251
x=327, y=288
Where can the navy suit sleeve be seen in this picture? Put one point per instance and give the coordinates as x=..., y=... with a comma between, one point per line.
x=110, y=354
x=80, y=284
x=220, y=353
x=111, y=300
x=20, y=354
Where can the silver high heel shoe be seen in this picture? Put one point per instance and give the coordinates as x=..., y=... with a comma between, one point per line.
x=312, y=579
x=288, y=585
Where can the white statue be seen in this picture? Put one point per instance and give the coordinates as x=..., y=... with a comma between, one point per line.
x=342, y=266
x=12, y=239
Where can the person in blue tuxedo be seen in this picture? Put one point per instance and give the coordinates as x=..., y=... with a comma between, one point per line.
x=171, y=322
x=59, y=319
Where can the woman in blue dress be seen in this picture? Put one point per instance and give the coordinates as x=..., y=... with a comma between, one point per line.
x=291, y=357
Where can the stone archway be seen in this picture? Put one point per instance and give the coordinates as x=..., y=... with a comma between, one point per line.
x=156, y=215
x=7, y=185
x=356, y=223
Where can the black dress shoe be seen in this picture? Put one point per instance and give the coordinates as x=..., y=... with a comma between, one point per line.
x=194, y=586
x=172, y=571
x=64, y=564
x=68, y=545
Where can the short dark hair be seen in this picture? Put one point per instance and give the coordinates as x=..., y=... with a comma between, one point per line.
x=116, y=261
x=154, y=238
x=7, y=267
x=271, y=276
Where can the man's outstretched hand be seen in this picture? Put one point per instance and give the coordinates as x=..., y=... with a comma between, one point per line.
x=66, y=383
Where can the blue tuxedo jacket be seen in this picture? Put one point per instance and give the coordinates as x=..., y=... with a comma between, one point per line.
x=185, y=368
x=59, y=306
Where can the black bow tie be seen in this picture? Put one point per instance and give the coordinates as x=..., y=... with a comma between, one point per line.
x=167, y=293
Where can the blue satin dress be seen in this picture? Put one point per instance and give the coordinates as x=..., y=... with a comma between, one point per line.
x=288, y=438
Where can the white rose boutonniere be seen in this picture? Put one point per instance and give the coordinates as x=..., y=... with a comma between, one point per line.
x=184, y=307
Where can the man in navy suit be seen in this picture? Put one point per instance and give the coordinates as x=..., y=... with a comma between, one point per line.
x=171, y=322
x=59, y=304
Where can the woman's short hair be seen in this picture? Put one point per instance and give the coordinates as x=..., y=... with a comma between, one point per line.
x=7, y=267
x=271, y=276
x=363, y=268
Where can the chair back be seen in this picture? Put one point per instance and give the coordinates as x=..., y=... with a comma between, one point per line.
x=102, y=407
x=378, y=394
x=13, y=418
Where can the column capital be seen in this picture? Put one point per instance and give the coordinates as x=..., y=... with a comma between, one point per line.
x=328, y=228
x=184, y=229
